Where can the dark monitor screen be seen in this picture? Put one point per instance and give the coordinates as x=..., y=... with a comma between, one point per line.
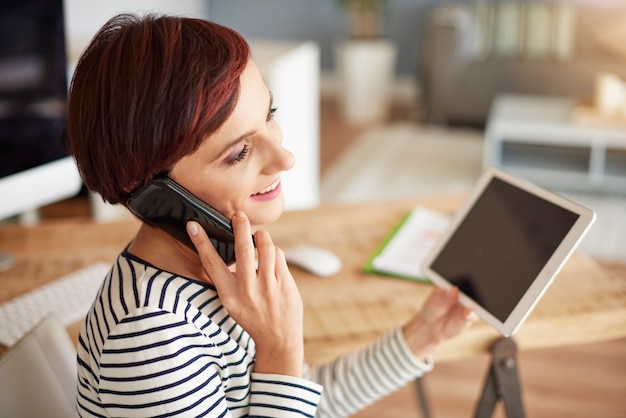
x=33, y=84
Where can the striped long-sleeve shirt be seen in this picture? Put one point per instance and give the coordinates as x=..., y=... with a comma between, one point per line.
x=157, y=344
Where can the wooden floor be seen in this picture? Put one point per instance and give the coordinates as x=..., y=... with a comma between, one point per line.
x=576, y=382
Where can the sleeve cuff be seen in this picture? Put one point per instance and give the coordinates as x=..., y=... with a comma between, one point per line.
x=288, y=395
x=420, y=367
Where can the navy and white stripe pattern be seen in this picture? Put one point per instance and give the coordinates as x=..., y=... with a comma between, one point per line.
x=160, y=345
x=353, y=382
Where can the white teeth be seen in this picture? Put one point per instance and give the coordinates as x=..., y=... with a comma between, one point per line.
x=269, y=189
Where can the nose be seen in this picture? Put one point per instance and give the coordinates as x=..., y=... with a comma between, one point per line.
x=280, y=159
x=288, y=159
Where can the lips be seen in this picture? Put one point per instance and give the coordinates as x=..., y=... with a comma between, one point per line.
x=269, y=193
x=269, y=188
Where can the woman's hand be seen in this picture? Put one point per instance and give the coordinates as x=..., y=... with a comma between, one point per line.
x=441, y=317
x=265, y=302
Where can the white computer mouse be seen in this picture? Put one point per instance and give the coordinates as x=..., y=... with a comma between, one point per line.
x=316, y=260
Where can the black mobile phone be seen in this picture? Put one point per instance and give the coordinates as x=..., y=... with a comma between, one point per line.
x=169, y=206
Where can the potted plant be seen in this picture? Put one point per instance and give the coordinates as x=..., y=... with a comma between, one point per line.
x=364, y=18
x=364, y=63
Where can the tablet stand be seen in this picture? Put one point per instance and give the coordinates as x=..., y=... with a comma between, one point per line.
x=422, y=398
x=502, y=382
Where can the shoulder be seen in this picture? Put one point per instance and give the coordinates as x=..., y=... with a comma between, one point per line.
x=136, y=297
x=133, y=283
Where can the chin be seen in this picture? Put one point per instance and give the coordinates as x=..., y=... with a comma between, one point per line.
x=267, y=215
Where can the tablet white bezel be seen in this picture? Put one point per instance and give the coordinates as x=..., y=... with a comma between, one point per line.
x=548, y=272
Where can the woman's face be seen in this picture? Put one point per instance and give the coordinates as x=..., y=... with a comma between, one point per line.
x=239, y=166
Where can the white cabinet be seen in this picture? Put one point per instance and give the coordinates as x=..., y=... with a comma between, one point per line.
x=291, y=71
x=539, y=139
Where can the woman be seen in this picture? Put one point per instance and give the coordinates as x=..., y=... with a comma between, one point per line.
x=178, y=333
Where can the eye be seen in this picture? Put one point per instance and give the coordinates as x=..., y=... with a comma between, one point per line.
x=238, y=156
x=271, y=113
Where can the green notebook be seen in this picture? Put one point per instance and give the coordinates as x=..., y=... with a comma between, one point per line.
x=404, y=249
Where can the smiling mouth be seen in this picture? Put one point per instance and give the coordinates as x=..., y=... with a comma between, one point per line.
x=269, y=188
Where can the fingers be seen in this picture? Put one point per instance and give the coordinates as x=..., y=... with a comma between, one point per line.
x=244, y=246
x=211, y=261
x=266, y=254
x=469, y=315
x=439, y=303
x=282, y=270
x=244, y=249
x=458, y=308
x=442, y=317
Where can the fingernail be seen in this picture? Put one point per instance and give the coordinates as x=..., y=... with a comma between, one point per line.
x=192, y=228
x=239, y=214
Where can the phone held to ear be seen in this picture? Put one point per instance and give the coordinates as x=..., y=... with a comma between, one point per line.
x=169, y=206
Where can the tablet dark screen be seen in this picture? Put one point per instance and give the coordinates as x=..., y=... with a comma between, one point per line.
x=501, y=245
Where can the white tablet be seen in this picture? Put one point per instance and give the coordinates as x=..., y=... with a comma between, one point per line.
x=504, y=247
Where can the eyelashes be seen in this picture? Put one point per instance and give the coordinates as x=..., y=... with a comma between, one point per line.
x=271, y=113
x=245, y=150
x=240, y=156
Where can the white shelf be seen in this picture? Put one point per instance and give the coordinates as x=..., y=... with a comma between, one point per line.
x=535, y=137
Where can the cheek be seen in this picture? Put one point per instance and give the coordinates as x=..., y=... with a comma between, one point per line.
x=224, y=196
x=216, y=189
x=231, y=192
x=232, y=195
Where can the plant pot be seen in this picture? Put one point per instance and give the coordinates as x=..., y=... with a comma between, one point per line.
x=365, y=73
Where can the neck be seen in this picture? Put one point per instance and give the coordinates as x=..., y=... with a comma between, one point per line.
x=167, y=253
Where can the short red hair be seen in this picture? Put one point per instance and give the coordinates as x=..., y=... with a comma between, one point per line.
x=145, y=93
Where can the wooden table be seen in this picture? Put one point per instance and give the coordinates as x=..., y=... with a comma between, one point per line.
x=583, y=305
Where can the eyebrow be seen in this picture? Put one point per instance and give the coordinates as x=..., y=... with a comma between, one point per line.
x=234, y=142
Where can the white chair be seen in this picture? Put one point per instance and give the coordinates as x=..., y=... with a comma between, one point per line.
x=38, y=374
